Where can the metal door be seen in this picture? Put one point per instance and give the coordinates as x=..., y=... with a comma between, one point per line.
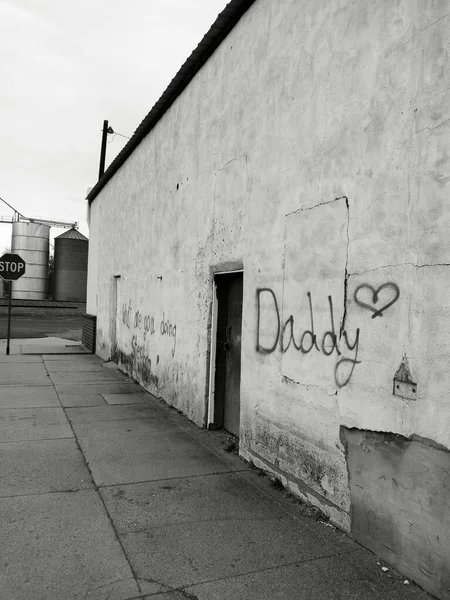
x=228, y=359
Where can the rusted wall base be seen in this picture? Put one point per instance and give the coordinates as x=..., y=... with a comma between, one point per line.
x=400, y=492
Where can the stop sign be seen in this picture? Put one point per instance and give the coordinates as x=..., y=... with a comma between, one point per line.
x=11, y=266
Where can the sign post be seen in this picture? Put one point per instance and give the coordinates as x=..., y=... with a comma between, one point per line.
x=11, y=268
x=9, y=320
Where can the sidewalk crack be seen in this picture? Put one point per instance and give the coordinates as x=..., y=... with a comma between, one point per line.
x=108, y=516
x=267, y=569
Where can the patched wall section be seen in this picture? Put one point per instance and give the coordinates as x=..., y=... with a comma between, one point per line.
x=316, y=349
x=400, y=491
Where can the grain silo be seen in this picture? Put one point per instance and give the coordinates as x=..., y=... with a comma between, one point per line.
x=71, y=259
x=31, y=242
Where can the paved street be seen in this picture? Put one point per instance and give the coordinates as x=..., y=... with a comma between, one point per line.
x=33, y=328
x=106, y=493
x=32, y=322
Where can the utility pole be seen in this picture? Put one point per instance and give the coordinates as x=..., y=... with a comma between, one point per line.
x=103, y=150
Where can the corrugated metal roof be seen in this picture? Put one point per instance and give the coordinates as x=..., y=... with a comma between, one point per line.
x=72, y=234
x=222, y=26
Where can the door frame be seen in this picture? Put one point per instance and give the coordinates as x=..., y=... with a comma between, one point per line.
x=213, y=346
x=114, y=314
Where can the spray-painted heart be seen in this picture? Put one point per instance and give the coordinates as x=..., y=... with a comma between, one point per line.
x=377, y=312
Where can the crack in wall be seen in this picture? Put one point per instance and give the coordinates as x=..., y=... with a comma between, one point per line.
x=290, y=381
x=283, y=280
x=294, y=212
x=405, y=264
x=346, y=274
x=393, y=435
x=432, y=128
x=233, y=160
x=417, y=34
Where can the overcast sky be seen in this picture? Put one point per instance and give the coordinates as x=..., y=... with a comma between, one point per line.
x=64, y=68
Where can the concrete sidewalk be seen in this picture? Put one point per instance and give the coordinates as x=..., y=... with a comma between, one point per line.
x=106, y=493
x=47, y=345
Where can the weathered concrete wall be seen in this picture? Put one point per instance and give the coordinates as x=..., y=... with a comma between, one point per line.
x=313, y=149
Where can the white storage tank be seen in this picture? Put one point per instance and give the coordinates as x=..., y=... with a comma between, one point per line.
x=31, y=242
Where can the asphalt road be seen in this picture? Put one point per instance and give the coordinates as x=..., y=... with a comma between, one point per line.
x=41, y=325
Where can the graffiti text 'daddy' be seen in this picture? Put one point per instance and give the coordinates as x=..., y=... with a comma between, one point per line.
x=283, y=335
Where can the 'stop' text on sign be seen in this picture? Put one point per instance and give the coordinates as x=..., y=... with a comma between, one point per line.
x=12, y=266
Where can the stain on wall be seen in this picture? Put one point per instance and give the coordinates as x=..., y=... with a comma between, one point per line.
x=400, y=491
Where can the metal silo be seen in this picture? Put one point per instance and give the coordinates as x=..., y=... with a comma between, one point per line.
x=31, y=242
x=71, y=259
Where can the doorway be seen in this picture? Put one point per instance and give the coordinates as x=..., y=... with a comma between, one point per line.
x=227, y=383
x=114, y=315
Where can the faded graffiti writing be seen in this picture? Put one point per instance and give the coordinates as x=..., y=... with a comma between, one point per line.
x=145, y=323
x=126, y=314
x=367, y=297
x=284, y=337
x=141, y=362
x=149, y=345
x=167, y=328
